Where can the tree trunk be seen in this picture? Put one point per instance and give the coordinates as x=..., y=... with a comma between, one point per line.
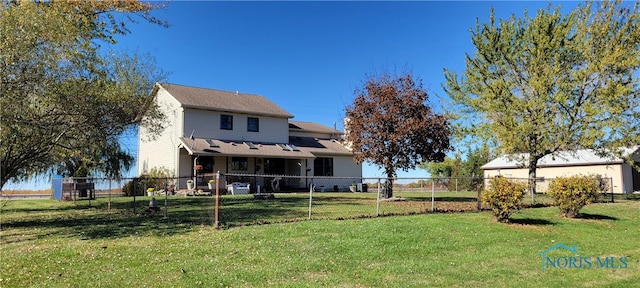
x=387, y=189
x=533, y=162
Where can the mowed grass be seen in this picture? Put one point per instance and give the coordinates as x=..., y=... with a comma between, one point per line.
x=243, y=209
x=53, y=244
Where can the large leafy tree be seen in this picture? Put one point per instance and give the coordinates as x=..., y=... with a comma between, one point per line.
x=61, y=95
x=472, y=165
x=390, y=125
x=553, y=82
x=467, y=171
x=101, y=154
x=449, y=167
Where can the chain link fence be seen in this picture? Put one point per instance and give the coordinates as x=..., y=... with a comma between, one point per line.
x=243, y=199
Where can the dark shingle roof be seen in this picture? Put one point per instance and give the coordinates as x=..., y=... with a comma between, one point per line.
x=210, y=99
x=306, y=147
x=320, y=146
x=311, y=127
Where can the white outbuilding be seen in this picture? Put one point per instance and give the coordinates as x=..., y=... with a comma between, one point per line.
x=624, y=178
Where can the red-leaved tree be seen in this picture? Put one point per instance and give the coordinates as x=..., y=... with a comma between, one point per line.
x=390, y=125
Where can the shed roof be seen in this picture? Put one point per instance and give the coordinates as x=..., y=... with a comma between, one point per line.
x=218, y=100
x=583, y=157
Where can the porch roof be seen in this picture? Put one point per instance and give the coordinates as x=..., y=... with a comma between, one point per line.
x=297, y=148
x=214, y=147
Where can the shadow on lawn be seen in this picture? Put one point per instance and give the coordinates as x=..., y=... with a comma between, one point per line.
x=442, y=199
x=95, y=221
x=595, y=217
x=246, y=210
x=531, y=221
x=129, y=218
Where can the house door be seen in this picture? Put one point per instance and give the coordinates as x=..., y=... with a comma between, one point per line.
x=274, y=166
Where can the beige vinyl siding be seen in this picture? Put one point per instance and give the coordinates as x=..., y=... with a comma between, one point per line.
x=220, y=164
x=185, y=169
x=161, y=151
x=346, y=167
x=206, y=124
x=509, y=173
x=627, y=175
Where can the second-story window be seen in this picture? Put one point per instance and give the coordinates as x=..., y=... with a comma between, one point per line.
x=226, y=122
x=253, y=124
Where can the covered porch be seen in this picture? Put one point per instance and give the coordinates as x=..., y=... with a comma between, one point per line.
x=258, y=164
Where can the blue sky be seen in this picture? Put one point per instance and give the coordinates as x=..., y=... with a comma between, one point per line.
x=308, y=57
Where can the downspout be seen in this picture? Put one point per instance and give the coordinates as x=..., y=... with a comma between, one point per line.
x=195, y=183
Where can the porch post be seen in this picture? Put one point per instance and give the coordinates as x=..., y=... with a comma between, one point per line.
x=195, y=173
x=217, y=208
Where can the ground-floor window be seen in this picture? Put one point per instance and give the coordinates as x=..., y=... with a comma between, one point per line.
x=323, y=166
x=239, y=164
x=207, y=163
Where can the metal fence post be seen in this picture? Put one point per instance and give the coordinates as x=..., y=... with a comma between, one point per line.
x=89, y=191
x=310, y=197
x=134, y=191
x=433, y=193
x=217, y=208
x=166, y=193
x=611, y=188
x=479, y=197
x=109, y=203
x=378, y=200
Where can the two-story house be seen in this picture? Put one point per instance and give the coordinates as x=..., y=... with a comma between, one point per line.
x=238, y=133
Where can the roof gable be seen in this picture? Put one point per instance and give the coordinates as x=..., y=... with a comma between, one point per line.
x=218, y=100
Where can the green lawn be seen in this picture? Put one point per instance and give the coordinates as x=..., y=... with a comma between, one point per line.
x=53, y=244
